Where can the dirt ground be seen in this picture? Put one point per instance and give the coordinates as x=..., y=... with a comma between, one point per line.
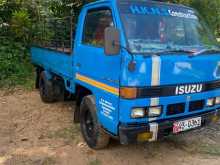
x=34, y=133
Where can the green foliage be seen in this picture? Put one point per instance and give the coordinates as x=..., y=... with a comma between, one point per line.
x=209, y=10
x=21, y=21
x=63, y=8
x=15, y=68
x=16, y=18
x=21, y=25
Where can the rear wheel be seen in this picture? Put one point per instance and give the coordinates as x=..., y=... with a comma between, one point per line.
x=91, y=130
x=46, y=89
x=37, y=79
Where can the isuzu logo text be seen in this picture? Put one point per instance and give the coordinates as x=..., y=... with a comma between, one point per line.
x=189, y=89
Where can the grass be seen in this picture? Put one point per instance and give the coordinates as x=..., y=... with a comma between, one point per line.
x=69, y=134
x=194, y=146
x=24, y=78
x=213, y=150
x=95, y=162
x=48, y=161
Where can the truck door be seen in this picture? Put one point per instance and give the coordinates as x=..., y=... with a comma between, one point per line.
x=96, y=70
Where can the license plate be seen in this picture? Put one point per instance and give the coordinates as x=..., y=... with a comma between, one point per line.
x=185, y=125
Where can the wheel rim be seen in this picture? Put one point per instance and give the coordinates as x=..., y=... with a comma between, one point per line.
x=89, y=125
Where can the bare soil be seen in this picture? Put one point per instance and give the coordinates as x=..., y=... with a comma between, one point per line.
x=34, y=133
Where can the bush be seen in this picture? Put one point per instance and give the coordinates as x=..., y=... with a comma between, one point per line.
x=15, y=68
x=21, y=25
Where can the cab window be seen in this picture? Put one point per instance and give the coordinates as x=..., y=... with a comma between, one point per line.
x=95, y=24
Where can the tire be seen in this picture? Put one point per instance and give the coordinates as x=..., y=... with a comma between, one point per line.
x=37, y=79
x=46, y=89
x=91, y=130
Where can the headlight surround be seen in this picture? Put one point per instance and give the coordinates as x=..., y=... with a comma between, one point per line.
x=138, y=113
x=154, y=111
x=210, y=102
x=217, y=100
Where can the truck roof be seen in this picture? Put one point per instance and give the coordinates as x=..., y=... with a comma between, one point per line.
x=98, y=2
x=161, y=2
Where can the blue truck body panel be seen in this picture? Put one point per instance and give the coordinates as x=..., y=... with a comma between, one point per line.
x=54, y=62
x=104, y=75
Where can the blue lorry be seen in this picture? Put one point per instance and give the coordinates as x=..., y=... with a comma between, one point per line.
x=139, y=71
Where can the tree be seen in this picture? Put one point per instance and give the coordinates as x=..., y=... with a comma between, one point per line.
x=209, y=10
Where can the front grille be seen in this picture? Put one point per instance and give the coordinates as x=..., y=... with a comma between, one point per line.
x=212, y=86
x=174, y=109
x=196, y=105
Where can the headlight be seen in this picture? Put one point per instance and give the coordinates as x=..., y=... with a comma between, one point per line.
x=154, y=111
x=217, y=100
x=138, y=113
x=210, y=102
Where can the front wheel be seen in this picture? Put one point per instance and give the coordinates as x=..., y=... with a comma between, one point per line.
x=91, y=130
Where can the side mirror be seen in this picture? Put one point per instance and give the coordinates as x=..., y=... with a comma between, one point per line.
x=112, y=41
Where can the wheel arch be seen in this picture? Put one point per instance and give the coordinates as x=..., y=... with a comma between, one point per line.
x=81, y=92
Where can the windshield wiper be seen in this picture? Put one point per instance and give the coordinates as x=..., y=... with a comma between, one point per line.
x=174, y=51
x=206, y=51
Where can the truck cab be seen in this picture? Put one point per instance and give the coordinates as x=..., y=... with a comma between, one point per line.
x=140, y=71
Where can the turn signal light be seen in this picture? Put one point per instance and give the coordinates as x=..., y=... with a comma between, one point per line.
x=215, y=119
x=128, y=93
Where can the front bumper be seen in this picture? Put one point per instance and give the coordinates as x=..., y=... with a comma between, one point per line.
x=129, y=133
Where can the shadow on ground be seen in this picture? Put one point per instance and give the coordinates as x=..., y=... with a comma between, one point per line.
x=34, y=133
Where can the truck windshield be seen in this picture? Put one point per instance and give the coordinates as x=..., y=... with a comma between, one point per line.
x=154, y=27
